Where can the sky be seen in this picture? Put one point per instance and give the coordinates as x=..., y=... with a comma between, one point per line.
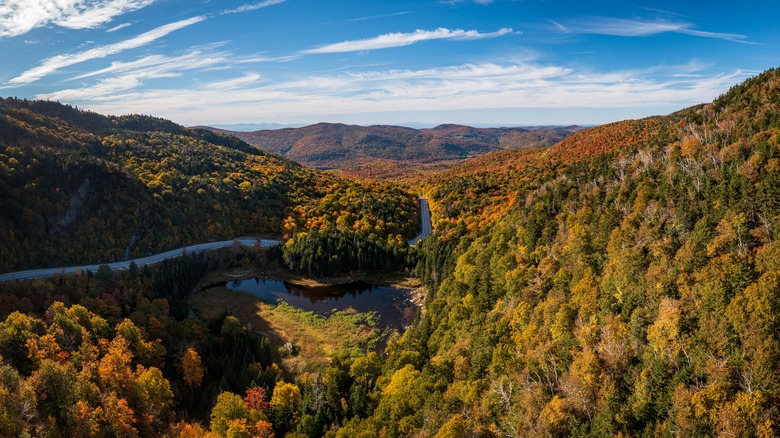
x=420, y=62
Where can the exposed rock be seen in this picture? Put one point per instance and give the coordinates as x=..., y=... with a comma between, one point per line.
x=76, y=202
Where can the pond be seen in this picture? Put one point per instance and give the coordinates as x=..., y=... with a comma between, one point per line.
x=393, y=305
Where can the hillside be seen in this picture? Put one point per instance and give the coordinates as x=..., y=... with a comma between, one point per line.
x=80, y=187
x=622, y=282
x=338, y=146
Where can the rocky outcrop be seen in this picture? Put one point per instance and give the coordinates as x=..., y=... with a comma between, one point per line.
x=77, y=200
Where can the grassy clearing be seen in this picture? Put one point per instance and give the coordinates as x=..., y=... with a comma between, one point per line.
x=316, y=338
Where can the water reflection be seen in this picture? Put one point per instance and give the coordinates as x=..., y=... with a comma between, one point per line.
x=391, y=304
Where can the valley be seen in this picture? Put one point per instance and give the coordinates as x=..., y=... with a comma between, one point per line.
x=139, y=262
x=361, y=149
x=425, y=224
x=617, y=280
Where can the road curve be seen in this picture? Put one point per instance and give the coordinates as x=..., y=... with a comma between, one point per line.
x=49, y=272
x=425, y=220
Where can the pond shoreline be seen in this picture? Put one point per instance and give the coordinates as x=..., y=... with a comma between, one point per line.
x=398, y=280
x=319, y=337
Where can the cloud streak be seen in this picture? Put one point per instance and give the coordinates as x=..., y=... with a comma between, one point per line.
x=122, y=77
x=233, y=84
x=251, y=7
x=479, y=2
x=249, y=98
x=120, y=26
x=368, y=17
x=641, y=28
x=374, y=17
x=399, y=39
x=55, y=63
x=194, y=60
x=18, y=17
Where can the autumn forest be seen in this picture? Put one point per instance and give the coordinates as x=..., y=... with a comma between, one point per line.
x=624, y=281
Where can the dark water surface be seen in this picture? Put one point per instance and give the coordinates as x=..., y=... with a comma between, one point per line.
x=392, y=305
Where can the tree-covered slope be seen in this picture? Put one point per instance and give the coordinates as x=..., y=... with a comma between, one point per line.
x=77, y=186
x=334, y=145
x=625, y=281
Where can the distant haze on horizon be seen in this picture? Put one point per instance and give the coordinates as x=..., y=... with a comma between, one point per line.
x=408, y=63
x=250, y=127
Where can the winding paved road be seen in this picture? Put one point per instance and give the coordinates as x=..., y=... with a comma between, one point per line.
x=425, y=219
x=49, y=272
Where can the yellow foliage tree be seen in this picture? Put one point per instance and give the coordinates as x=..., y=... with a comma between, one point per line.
x=192, y=368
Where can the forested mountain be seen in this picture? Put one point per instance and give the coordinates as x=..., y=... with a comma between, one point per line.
x=623, y=282
x=80, y=187
x=339, y=146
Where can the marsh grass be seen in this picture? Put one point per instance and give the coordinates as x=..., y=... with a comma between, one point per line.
x=315, y=338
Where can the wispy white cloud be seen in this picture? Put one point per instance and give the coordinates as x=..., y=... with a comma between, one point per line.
x=51, y=65
x=479, y=2
x=374, y=17
x=399, y=39
x=96, y=14
x=475, y=87
x=123, y=76
x=233, y=84
x=18, y=17
x=367, y=17
x=559, y=26
x=252, y=7
x=120, y=26
x=193, y=60
x=640, y=28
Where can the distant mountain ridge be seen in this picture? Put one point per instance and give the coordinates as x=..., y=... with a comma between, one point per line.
x=249, y=127
x=336, y=145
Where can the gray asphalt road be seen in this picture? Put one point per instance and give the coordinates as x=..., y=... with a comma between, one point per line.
x=49, y=272
x=425, y=219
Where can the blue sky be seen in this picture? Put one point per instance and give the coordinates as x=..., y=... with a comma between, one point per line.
x=482, y=62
